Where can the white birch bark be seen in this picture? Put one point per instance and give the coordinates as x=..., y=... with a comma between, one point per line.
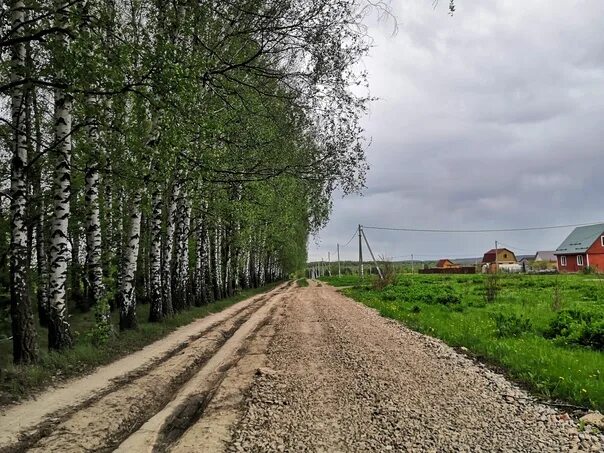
x=25, y=349
x=217, y=262
x=156, y=309
x=127, y=288
x=94, y=266
x=42, y=266
x=202, y=277
x=182, y=284
x=167, y=252
x=59, y=332
x=207, y=275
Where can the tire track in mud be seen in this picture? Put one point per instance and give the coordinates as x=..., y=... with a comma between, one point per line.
x=106, y=418
x=189, y=406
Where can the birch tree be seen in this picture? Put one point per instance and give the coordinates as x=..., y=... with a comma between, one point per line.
x=25, y=348
x=128, y=318
x=59, y=331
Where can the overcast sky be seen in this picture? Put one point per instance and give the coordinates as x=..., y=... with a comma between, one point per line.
x=491, y=118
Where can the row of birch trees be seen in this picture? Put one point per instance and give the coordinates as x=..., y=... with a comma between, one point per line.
x=168, y=153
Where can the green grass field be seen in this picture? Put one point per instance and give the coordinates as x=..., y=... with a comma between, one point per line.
x=546, y=332
x=18, y=381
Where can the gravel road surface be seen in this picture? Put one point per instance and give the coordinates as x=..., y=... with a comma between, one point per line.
x=297, y=369
x=345, y=379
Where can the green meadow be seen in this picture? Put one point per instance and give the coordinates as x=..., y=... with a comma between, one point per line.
x=546, y=332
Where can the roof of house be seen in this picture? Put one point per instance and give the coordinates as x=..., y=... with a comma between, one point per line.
x=489, y=257
x=441, y=263
x=545, y=255
x=580, y=239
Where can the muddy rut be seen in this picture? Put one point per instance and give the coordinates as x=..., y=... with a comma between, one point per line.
x=98, y=415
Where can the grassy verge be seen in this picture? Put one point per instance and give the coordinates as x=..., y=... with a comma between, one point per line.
x=544, y=331
x=302, y=282
x=18, y=381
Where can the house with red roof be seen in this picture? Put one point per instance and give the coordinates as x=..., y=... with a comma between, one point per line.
x=583, y=247
x=504, y=256
x=446, y=263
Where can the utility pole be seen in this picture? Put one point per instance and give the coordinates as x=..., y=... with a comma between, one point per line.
x=360, y=252
x=329, y=263
x=496, y=253
x=372, y=256
x=339, y=270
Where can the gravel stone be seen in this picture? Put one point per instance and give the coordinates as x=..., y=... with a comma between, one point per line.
x=343, y=378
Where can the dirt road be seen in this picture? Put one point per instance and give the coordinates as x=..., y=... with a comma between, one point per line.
x=298, y=369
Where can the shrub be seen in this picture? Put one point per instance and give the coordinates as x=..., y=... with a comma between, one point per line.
x=448, y=299
x=593, y=335
x=589, y=270
x=580, y=327
x=511, y=325
x=388, y=276
x=491, y=287
x=568, y=321
x=590, y=293
x=389, y=296
x=415, y=309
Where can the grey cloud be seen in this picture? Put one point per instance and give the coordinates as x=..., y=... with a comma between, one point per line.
x=491, y=118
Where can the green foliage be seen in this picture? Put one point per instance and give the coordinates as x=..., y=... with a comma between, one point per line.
x=511, y=325
x=580, y=327
x=302, y=282
x=491, y=287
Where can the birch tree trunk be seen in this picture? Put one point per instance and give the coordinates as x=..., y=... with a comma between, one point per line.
x=42, y=267
x=127, y=287
x=107, y=224
x=59, y=332
x=207, y=275
x=156, y=309
x=40, y=221
x=94, y=266
x=25, y=346
x=216, y=261
x=202, y=267
x=118, y=243
x=181, y=257
x=76, y=271
x=178, y=294
x=167, y=252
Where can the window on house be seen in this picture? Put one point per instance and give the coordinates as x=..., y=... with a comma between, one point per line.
x=602, y=240
x=505, y=255
x=563, y=260
x=579, y=260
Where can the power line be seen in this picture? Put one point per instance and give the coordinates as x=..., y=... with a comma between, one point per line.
x=351, y=238
x=516, y=248
x=434, y=255
x=494, y=230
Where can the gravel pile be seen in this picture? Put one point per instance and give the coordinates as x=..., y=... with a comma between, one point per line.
x=342, y=378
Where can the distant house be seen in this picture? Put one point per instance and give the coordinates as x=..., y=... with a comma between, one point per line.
x=526, y=260
x=446, y=263
x=548, y=257
x=506, y=261
x=504, y=256
x=583, y=247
